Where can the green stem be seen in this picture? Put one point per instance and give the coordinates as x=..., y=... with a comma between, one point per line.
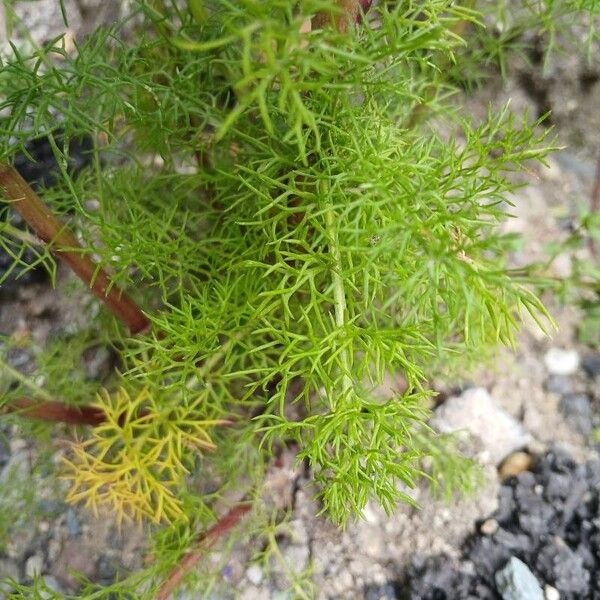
x=4, y=366
x=292, y=576
x=339, y=294
x=19, y=234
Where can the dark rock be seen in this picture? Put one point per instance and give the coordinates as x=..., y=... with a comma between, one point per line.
x=518, y=543
x=20, y=359
x=557, y=460
x=387, y=591
x=558, y=486
x=487, y=555
x=577, y=410
x=558, y=384
x=43, y=170
x=591, y=365
x=575, y=504
x=592, y=469
x=535, y=515
x=564, y=569
x=4, y=451
x=525, y=480
x=51, y=507
x=72, y=522
x=506, y=505
x=587, y=557
x=481, y=591
x=538, y=521
x=106, y=572
x=548, y=518
x=437, y=578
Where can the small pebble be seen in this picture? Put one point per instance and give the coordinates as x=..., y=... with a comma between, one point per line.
x=591, y=365
x=551, y=593
x=72, y=523
x=105, y=570
x=489, y=527
x=34, y=566
x=558, y=384
x=385, y=591
x=559, y=361
x=515, y=463
x=17, y=444
x=254, y=574
x=577, y=410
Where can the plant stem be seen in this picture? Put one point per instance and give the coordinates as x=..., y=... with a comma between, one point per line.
x=19, y=234
x=205, y=541
x=4, y=366
x=299, y=592
x=47, y=409
x=339, y=294
x=66, y=247
x=55, y=411
x=349, y=13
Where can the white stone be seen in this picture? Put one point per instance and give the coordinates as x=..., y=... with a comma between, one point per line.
x=497, y=433
x=559, y=361
x=34, y=566
x=17, y=444
x=254, y=574
x=551, y=593
x=251, y=592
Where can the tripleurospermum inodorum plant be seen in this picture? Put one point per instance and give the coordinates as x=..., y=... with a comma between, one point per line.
x=266, y=183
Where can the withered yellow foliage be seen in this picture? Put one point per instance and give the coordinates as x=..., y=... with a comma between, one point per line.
x=134, y=462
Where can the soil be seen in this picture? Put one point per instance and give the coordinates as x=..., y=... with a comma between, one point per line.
x=545, y=513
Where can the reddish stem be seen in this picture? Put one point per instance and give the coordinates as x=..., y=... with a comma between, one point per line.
x=56, y=412
x=66, y=247
x=350, y=12
x=205, y=541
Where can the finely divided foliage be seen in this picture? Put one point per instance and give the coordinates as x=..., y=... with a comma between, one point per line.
x=322, y=241
x=259, y=186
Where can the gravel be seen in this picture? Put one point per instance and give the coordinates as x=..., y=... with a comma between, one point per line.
x=548, y=526
x=559, y=384
x=577, y=410
x=591, y=365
